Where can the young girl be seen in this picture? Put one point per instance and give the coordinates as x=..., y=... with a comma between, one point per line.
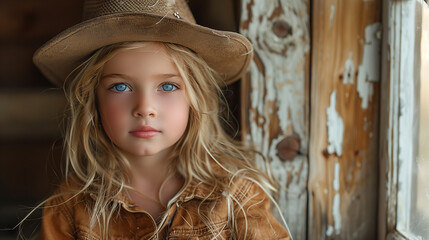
x=147, y=157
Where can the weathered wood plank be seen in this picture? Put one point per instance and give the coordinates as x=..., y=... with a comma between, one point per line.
x=17, y=68
x=345, y=78
x=24, y=26
x=29, y=20
x=216, y=14
x=274, y=99
x=30, y=114
x=30, y=170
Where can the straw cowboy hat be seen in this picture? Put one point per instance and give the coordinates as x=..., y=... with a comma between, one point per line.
x=112, y=21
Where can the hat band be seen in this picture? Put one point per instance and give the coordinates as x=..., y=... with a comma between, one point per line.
x=171, y=8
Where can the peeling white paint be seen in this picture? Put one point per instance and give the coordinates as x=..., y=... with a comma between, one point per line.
x=281, y=84
x=335, y=127
x=329, y=231
x=369, y=70
x=349, y=70
x=371, y=53
x=336, y=183
x=336, y=213
x=331, y=16
x=407, y=106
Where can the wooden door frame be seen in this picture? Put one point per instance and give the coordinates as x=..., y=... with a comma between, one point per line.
x=400, y=92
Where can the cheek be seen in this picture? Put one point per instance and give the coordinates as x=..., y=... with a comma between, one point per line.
x=181, y=116
x=178, y=123
x=112, y=117
x=177, y=114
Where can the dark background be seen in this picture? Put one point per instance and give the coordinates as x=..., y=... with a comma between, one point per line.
x=31, y=108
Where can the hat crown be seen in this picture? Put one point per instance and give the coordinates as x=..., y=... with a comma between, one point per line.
x=165, y=8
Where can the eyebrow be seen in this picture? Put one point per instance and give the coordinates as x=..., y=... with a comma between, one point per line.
x=167, y=75
x=124, y=76
x=115, y=75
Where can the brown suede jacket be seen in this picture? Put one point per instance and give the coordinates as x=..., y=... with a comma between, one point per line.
x=65, y=218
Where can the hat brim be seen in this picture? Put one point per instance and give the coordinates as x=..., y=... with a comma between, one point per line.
x=228, y=53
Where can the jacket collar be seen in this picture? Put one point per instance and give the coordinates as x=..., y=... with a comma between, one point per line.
x=192, y=190
x=199, y=190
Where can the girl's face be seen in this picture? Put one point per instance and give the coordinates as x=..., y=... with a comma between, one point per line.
x=142, y=101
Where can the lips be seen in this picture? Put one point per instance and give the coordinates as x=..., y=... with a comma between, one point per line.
x=145, y=132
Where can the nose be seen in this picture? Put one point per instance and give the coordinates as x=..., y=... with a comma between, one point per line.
x=144, y=106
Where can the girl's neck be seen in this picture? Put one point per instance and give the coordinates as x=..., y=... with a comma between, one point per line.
x=153, y=181
x=154, y=199
x=150, y=169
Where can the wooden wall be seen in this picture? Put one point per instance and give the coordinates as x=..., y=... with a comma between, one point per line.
x=324, y=144
x=30, y=108
x=345, y=75
x=24, y=26
x=275, y=99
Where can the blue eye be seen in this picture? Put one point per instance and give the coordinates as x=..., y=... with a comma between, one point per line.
x=168, y=87
x=120, y=87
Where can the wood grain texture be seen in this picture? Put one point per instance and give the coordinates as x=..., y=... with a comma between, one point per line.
x=403, y=55
x=343, y=152
x=275, y=99
x=24, y=26
x=31, y=115
x=30, y=20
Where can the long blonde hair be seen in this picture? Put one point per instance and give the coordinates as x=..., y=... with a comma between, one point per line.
x=95, y=162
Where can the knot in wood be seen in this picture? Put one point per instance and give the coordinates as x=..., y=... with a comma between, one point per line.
x=288, y=148
x=282, y=29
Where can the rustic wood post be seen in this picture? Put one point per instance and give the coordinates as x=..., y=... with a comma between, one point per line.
x=405, y=81
x=345, y=74
x=275, y=98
